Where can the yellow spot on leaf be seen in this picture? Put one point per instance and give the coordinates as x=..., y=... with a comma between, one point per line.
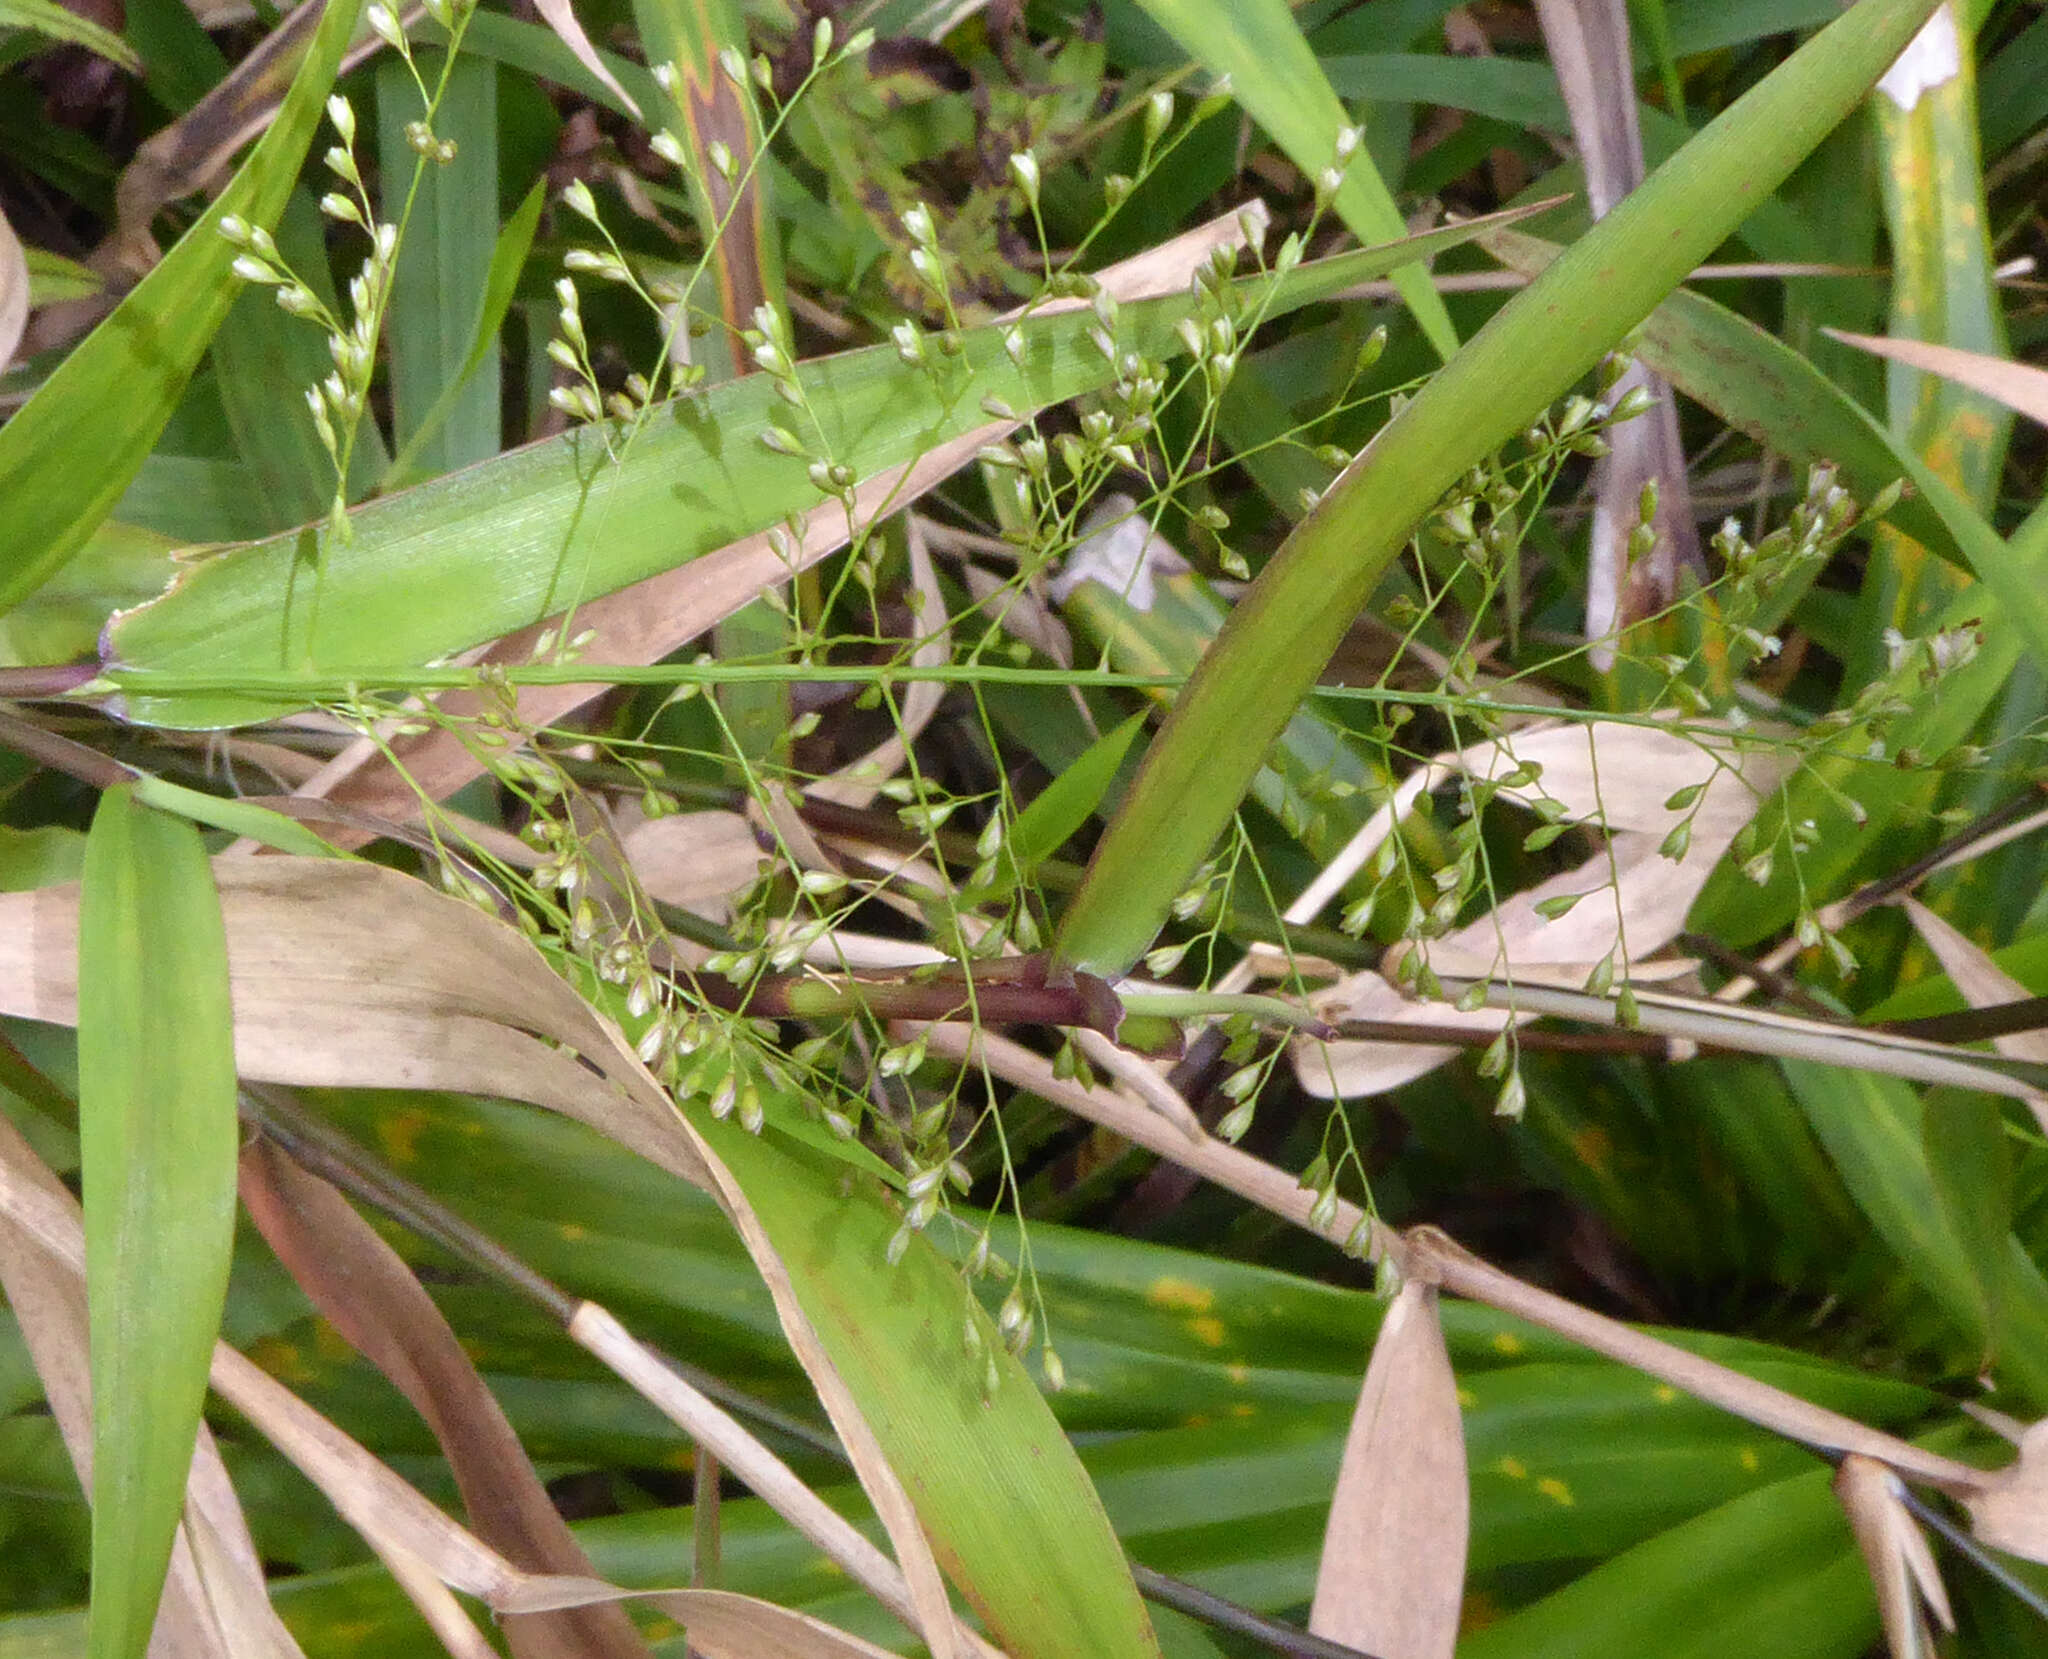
x=1749, y=1459
x=1244, y=1408
x=1206, y=1329
x=1239, y=1373
x=1514, y=1468
x=1195, y=1420
x=282, y=1360
x=682, y=1457
x=1555, y=1490
x=399, y=1135
x=573, y=1231
x=1664, y=1394
x=329, y=1343
x=1180, y=1295
x=659, y=1629
x=1595, y=1148
x=1506, y=1342
x=1467, y=1399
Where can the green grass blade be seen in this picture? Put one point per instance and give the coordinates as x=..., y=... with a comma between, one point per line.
x=1275, y=76
x=471, y=557
x=1939, y=717
x=157, y=1140
x=445, y=264
x=46, y=17
x=1010, y=1511
x=1065, y=804
x=1970, y=1165
x=1772, y=1575
x=1873, y=1128
x=66, y=457
x=1285, y=629
x=501, y=287
x=264, y=361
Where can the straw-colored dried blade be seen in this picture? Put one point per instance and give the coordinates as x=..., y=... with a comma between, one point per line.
x=1588, y=42
x=364, y=1290
x=1392, y=1577
x=1902, y=1569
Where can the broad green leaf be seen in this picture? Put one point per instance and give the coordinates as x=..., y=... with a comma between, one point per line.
x=501, y=287
x=445, y=263
x=1874, y=1129
x=121, y=565
x=68, y=454
x=52, y=278
x=39, y=857
x=1275, y=76
x=46, y=17
x=1070, y=800
x=1772, y=1575
x=1010, y=1512
x=1283, y=632
x=1970, y=1164
x=468, y=558
x=157, y=1139
x=1942, y=291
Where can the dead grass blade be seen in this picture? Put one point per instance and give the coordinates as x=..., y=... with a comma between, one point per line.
x=2019, y=386
x=695, y=860
x=368, y=1294
x=753, y=1464
x=406, y=1530
x=352, y=975
x=1621, y=776
x=1588, y=42
x=13, y=291
x=559, y=17
x=1902, y=1569
x=2009, y=1511
x=2012, y=1502
x=215, y=1605
x=1984, y=984
x=1392, y=1577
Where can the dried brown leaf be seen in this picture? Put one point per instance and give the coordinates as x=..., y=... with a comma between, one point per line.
x=408, y=1532
x=13, y=291
x=215, y=1605
x=696, y=860
x=356, y=976
x=368, y=1294
x=1902, y=1569
x=1984, y=984
x=1392, y=1577
x=2010, y=1511
x=2019, y=386
x=559, y=17
x=1635, y=899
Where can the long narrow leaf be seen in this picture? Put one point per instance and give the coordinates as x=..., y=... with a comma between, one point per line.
x=73, y=448
x=1279, y=638
x=157, y=1133
x=468, y=558
x=1274, y=74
